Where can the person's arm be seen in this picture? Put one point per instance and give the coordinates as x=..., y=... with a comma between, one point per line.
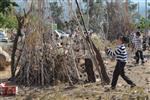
x=113, y=54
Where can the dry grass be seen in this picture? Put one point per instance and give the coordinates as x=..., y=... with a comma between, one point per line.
x=93, y=91
x=81, y=92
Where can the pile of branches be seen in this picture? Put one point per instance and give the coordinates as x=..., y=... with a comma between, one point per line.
x=43, y=59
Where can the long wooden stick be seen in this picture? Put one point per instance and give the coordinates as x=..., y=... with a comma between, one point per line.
x=101, y=69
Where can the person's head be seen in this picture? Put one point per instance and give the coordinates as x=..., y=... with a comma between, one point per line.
x=122, y=40
x=138, y=34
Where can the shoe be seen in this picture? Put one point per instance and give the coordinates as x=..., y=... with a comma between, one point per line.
x=133, y=85
x=143, y=62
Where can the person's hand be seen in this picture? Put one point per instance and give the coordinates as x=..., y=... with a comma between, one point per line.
x=106, y=48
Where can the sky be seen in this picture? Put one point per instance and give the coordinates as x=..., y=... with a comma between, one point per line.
x=142, y=6
x=140, y=0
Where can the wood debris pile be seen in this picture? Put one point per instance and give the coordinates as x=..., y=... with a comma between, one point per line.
x=43, y=59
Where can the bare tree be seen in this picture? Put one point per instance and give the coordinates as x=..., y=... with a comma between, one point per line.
x=21, y=22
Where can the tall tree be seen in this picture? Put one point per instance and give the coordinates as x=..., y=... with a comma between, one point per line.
x=120, y=17
x=95, y=15
x=56, y=12
x=6, y=18
x=146, y=9
x=6, y=6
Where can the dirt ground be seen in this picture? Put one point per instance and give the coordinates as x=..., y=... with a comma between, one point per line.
x=140, y=74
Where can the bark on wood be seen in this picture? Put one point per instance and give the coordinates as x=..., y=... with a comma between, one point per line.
x=101, y=68
x=89, y=70
x=20, y=20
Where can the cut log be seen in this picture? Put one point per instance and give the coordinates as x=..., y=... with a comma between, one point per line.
x=89, y=70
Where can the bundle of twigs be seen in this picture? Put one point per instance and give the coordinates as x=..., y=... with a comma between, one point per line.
x=40, y=62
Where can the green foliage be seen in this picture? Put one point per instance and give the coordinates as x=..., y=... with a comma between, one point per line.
x=11, y=22
x=2, y=20
x=6, y=6
x=8, y=21
x=143, y=24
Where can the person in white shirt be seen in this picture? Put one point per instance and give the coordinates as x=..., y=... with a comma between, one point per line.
x=138, y=45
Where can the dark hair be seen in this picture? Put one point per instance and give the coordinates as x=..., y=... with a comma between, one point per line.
x=138, y=33
x=124, y=39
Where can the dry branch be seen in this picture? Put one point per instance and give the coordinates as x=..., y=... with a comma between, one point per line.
x=43, y=62
x=101, y=67
x=21, y=21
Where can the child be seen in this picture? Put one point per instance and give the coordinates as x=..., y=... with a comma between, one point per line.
x=138, y=47
x=121, y=56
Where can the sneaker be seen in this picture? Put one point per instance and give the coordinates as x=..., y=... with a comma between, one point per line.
x=133, y=85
